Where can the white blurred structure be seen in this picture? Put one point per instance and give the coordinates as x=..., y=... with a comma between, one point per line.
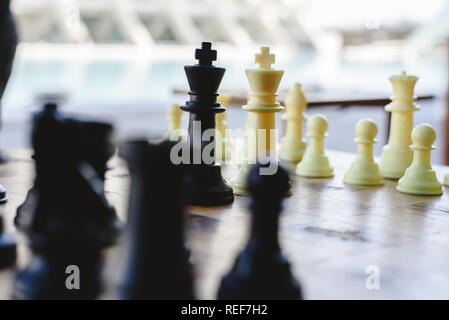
x=162, y=26
x=122, y=58
x=166, y=27
x=169, y=21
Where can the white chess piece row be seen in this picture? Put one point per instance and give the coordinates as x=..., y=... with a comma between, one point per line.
x=406, y=156
x=419, y=177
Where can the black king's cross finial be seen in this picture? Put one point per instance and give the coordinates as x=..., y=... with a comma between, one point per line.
x=206, y=55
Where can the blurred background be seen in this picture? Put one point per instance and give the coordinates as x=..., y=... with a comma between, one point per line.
x=122, y=59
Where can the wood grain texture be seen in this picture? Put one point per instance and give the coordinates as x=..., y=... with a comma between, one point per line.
x=330, y=232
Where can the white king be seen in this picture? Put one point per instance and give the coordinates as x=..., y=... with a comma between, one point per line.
x=397, y=155
x=261, y=135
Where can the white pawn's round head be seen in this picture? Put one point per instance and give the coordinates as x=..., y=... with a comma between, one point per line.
x=317, y=124
x=423, y=135
x=366, y=129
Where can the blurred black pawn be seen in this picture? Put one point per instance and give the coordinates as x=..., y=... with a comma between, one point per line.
x=156, y=260
x=65, y=214
x=7, y=247
x=261, y=271
x=205, y=185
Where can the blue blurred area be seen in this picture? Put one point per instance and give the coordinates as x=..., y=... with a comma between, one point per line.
x=120, y=84
x=121, y=60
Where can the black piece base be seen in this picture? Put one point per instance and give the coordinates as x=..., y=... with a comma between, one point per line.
x=106, y=237
x=205, y=186
x=3, y=158
x=8, y=253
x=269, y=280
x=48, y=278
x=164, y=279
x=3, y=198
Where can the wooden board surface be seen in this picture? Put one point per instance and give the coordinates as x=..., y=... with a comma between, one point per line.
x=331, y=232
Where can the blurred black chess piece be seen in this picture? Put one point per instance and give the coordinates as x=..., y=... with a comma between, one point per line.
x=261, y=271
x=7, y=247
x=156, y=259
x=205, y=185
x=3, y=198
x=8, y=44
x=65, y=214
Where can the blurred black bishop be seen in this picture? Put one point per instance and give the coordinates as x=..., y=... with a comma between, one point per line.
x=205, y=185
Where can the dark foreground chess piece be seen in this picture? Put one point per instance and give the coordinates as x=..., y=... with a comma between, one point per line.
x=66, y=215
x=7, y=247
x=8, y=44
x=261, y=271
x=3, y=198
x=205, y=185
x=156, y=259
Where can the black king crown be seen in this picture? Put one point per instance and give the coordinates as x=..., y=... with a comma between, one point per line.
x=204, y=79
x=205, y=183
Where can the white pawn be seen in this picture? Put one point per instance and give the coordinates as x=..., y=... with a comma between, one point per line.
x=174, y=116
x=292, y=145
x=315, y=163
x=420, y=178
x=364, y=170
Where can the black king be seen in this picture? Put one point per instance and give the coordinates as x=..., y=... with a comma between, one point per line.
x=205, y=185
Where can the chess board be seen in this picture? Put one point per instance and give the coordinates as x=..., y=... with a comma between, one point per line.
x=332, y=233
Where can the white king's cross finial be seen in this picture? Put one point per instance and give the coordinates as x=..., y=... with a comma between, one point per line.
x=264, y=59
